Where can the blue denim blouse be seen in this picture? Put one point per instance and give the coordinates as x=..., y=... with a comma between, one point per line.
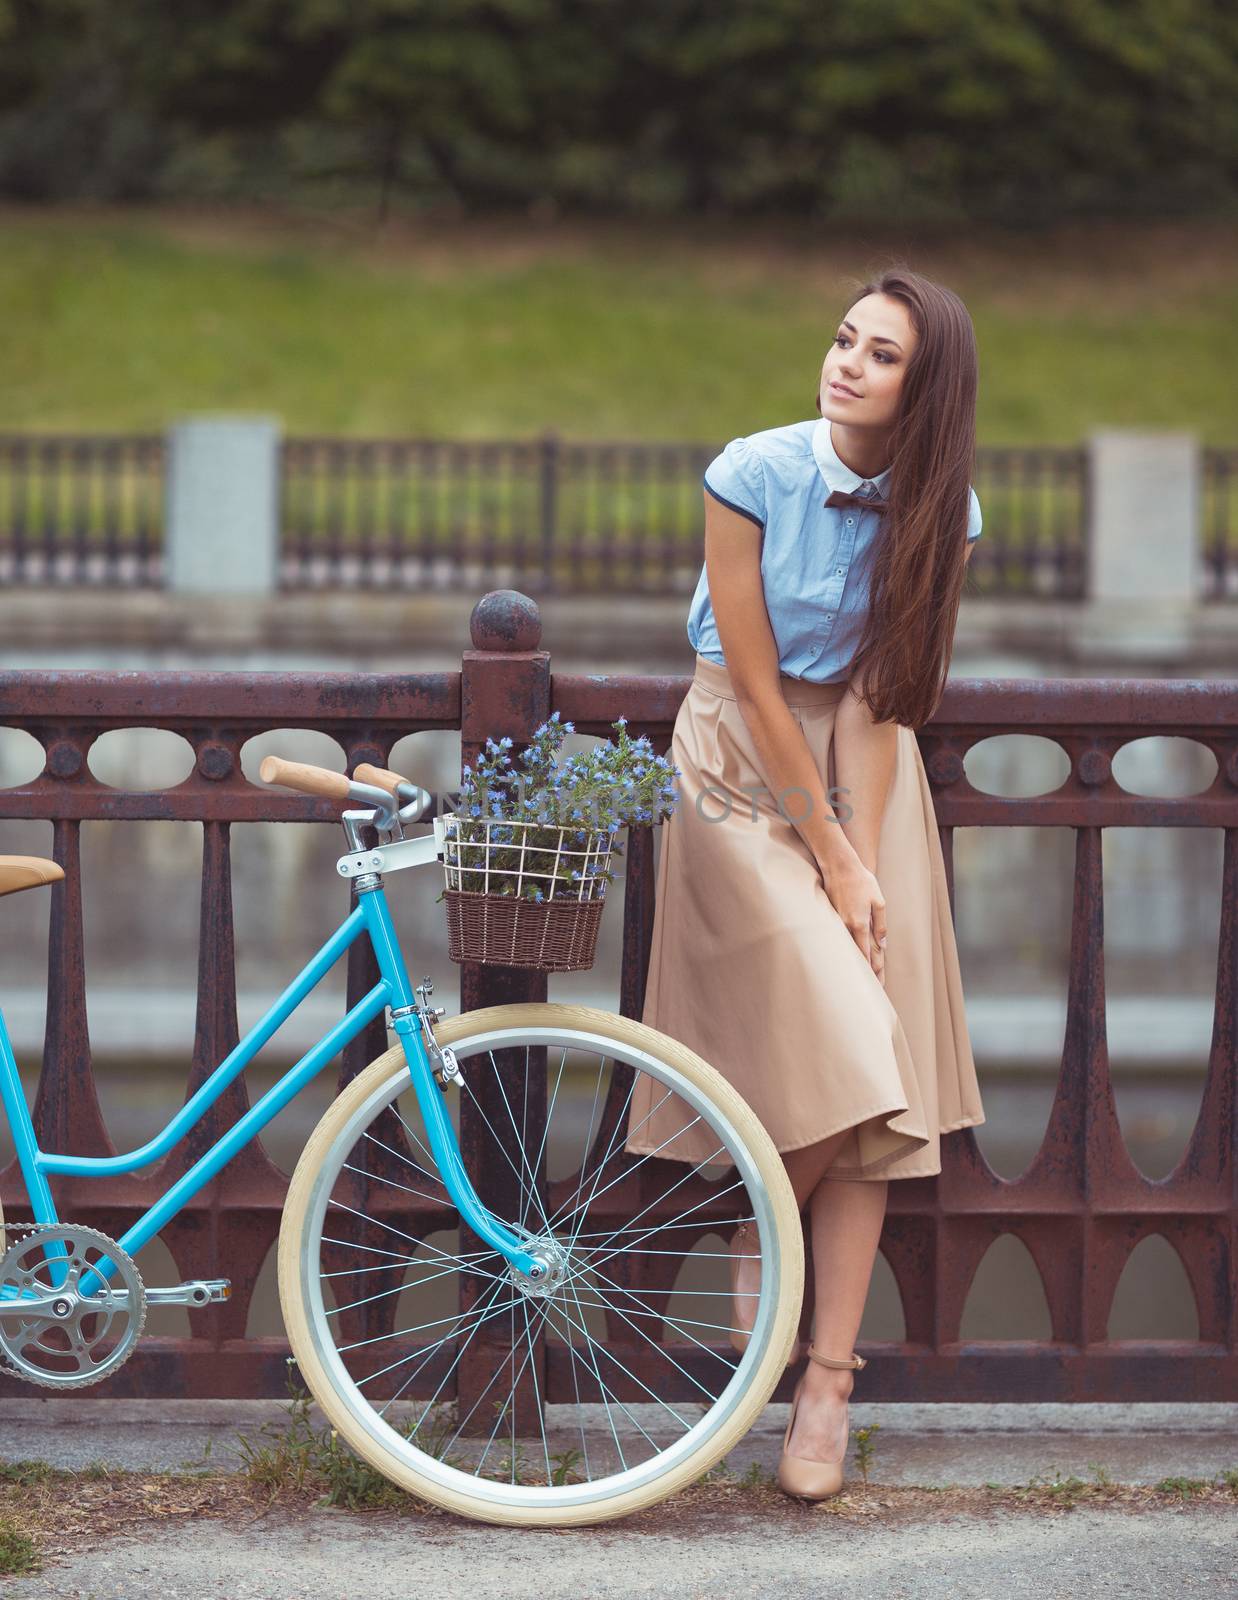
x=816, y=560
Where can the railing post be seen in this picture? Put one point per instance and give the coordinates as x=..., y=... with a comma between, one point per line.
x=222, y=506
x=504, y=690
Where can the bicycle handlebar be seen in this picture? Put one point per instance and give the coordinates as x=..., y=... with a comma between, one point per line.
x=381, y=778
x=370, y=786
x=309, y=780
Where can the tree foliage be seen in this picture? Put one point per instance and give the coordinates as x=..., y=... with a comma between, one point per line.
x=913, y=110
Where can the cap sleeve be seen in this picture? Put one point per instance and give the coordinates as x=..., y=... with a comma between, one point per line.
x=974, y=520
x=737, y=478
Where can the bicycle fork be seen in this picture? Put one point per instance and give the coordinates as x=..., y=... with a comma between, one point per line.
x=408, y=1019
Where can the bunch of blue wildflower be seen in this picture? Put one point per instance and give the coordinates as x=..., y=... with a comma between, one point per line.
x=578, y=805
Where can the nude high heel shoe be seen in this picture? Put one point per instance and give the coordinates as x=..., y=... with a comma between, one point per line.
x=745, y=1289
x=799, y=1475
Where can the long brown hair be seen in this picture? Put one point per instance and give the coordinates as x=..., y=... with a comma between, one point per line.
x=902, y=661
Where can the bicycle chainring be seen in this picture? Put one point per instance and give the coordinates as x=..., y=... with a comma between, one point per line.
x=71, y=1338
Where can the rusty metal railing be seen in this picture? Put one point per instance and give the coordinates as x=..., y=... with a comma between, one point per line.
x=1081, y=1207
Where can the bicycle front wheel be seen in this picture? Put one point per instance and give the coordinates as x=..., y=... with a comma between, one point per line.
x=598, y=1392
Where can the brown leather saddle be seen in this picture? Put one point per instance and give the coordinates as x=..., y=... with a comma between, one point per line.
x=27, y=872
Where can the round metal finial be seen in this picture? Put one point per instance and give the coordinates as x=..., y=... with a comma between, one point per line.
x=505, y=619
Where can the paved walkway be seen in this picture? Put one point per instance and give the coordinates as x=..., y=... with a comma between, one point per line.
x=1077, y=1555
x=917, y=1444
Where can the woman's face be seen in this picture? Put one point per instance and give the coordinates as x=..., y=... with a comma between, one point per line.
x=869, y=355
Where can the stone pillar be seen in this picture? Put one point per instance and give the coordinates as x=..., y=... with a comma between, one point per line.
x=221, y=529
x=1144, y=562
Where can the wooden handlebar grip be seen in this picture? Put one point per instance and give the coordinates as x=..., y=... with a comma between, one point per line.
x=309, y=780
x=380, y=778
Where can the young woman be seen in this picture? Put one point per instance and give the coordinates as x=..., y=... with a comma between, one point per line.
x=803, y=941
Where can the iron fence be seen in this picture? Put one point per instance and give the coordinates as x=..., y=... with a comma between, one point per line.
x=553, y=517
x=547, y=516
x=1081, y=1207
x=1036, y=510
x=1219, y=515
x=81, y=509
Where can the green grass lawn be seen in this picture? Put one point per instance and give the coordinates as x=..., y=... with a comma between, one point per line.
x=119, y=321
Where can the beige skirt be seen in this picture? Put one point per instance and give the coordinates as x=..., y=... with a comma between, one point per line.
x=753, y=968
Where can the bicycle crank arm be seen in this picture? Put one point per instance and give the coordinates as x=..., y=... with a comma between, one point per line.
x=29, y=1304
x=199, y=1292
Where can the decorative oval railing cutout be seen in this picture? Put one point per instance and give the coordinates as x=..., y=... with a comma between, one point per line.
x=1164, y=766
x=141, y=760
x=1016, y=766
x=21, y=758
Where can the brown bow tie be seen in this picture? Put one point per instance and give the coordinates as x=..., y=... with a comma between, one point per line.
x=841, y=497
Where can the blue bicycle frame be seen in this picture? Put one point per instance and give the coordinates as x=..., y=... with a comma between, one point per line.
x=371, y=915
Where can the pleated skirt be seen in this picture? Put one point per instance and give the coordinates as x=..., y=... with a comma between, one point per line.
x=753, y=968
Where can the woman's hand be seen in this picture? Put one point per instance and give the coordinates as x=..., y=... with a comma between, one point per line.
x=856, y=895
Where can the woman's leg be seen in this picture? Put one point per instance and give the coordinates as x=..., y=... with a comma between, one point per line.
x=846, y=1218
x=806, y=1167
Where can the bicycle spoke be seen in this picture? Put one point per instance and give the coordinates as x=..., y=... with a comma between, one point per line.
x=376, y=1177
x=459, y=1356
x=498, y=1142
x=671, y=1319
x=537, y=1395
x=620, y=1122
x=606, y=1305
x=583, y=1210
x=399, y=1333
x=657, y=1227
x=611, y=1356
x=426, y=1172
x=423, y=1244
x=607, y=1396
x=558, y=1218
x=385, y=1266
x=580, y=1418
x=469, y=1414
x=550, y=1113
x=615, y=1233
x=417, y=1140
x=385, y=1294
x=482, y=1306
x=421, y=1350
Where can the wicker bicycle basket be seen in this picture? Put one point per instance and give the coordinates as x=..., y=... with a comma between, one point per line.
x=495, y=866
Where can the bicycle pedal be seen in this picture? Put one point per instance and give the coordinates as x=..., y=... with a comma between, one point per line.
x=198, y=1292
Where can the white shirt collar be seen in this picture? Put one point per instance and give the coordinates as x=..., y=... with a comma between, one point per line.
x=836, y=474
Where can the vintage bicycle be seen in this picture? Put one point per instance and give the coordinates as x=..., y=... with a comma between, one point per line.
x=423, y=1349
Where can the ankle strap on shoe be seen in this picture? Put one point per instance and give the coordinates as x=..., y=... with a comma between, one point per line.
x=833, y=1361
